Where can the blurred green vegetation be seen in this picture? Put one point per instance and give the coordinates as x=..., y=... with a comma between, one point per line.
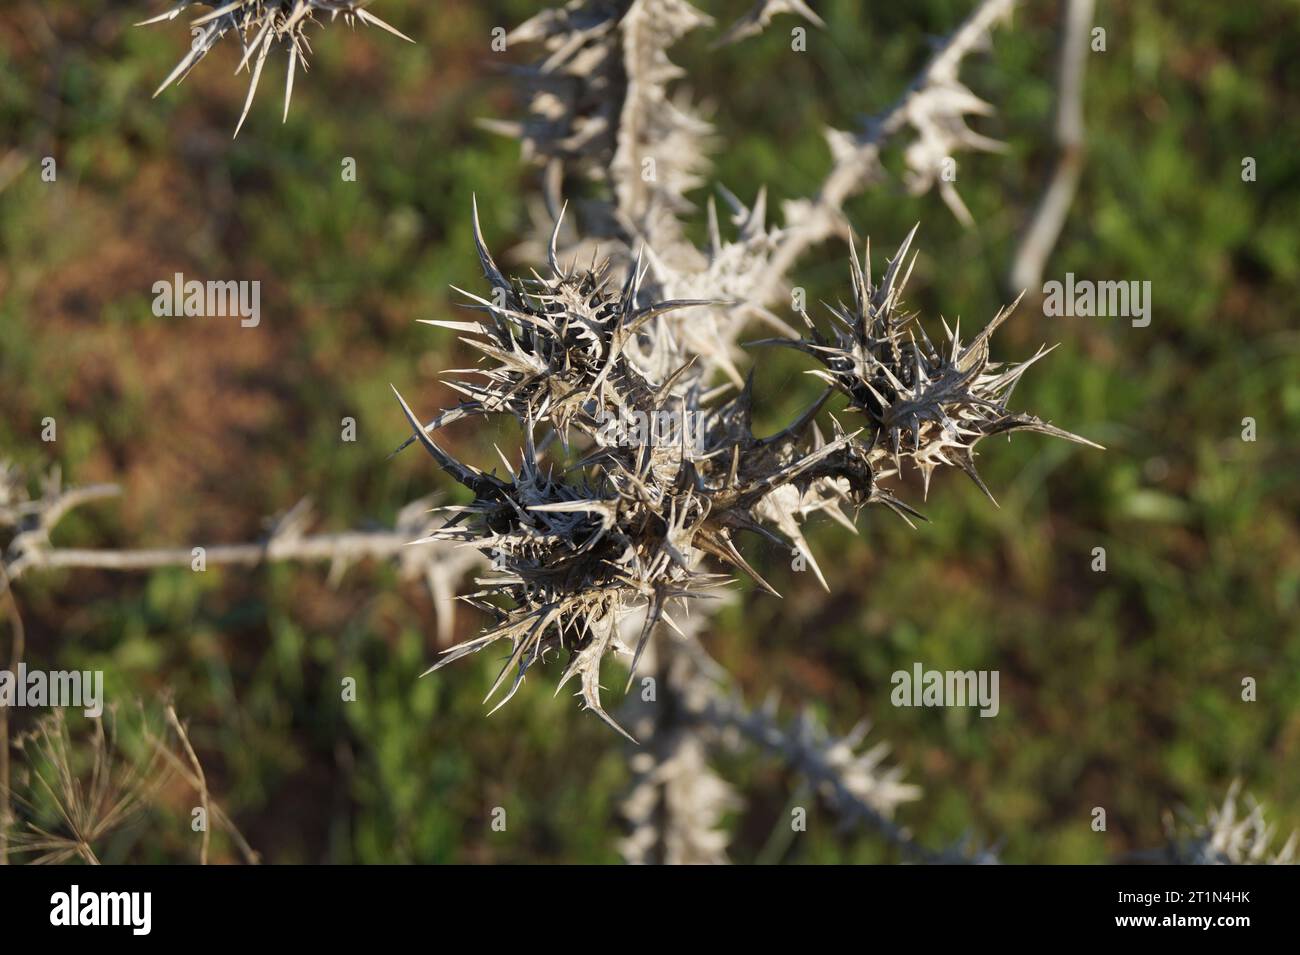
x=1119, y=689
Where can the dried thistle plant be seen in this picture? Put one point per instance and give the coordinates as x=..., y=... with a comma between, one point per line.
x=589, y=556
x=624, y=530
x=262, y=26
x=594, y=539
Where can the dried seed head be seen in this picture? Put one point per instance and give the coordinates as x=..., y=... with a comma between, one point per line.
x=70, y=798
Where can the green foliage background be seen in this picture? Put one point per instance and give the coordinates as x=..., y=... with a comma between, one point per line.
x=1120, y=690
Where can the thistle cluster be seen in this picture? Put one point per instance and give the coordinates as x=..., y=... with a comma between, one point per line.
x=262, y=26
x=622, y=530
x=589, y=529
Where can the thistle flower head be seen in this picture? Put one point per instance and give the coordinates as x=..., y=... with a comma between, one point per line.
x=262, y=25
x=563, y=349
x=924, y=403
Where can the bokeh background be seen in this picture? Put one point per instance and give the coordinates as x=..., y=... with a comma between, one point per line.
x=1119, y=689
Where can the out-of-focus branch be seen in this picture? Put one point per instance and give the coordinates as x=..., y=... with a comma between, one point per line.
x=677, y=801
x=1226, y=835
x=1049, y=217
x=191, y=770
x=33, y=520
x=802, y=753
x=200, y=780
x=935, y=100
x=761, y=14
x=857, y=785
